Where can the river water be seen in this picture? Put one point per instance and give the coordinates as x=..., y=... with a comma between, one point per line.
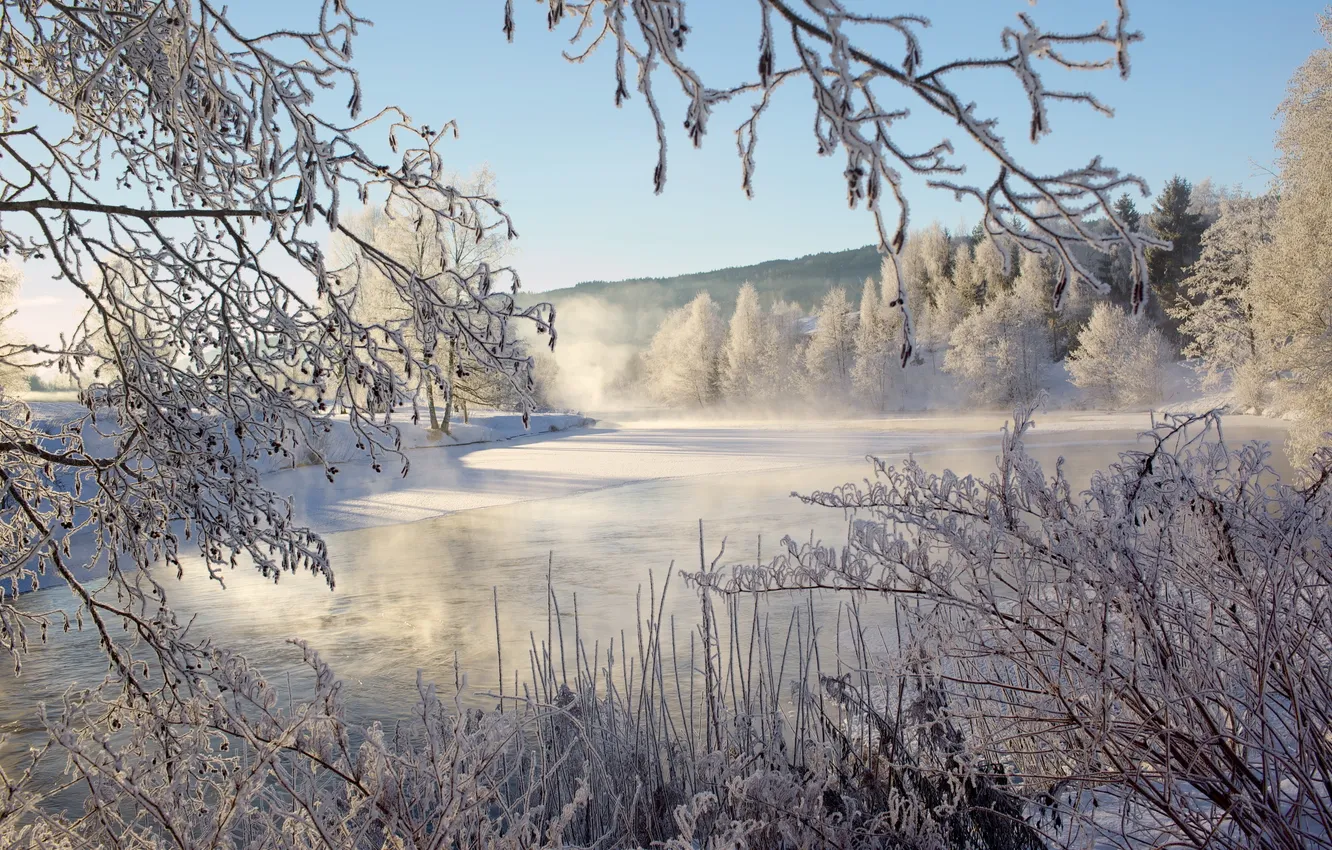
x=601, y=510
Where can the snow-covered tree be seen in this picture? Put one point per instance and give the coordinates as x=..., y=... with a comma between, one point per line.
x=1034, y=285
x=994, y=271
x=830, y=355
x=878, y=347
x=684, y=360
x=1000, y=351
x=407, y=231
x=1292, y=287
x=1172, y=218
x=1208, y=197
x=743, y=366
x=1216, y=315
x=12, y=378
x=1120, y=359
x=967, y=290
x=191, y=150
x=783, y=353
x=924, y=265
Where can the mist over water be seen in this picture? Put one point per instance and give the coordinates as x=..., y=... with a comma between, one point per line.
x=420, y=596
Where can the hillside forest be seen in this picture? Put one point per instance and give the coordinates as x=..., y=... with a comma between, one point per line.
x=984, y=331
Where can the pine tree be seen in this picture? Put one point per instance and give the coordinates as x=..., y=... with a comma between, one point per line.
x=1171, y=219
x=1116, y=267
x=1128, y=211
x=1216, y=316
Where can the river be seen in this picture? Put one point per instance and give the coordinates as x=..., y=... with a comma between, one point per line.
x=601, y=509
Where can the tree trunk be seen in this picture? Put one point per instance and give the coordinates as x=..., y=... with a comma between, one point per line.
x=448, y=399
x=430, y=402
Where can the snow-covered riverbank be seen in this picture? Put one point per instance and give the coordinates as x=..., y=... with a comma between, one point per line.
x=356, y=482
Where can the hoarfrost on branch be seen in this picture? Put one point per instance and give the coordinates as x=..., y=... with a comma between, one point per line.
x=855, y=91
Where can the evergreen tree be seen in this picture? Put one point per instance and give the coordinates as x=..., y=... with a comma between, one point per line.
x=1216, y=316
x=1116, y=267
x=1128, y=211
x=1171, y=219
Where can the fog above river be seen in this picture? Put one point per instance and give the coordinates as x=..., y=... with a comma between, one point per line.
x=419, y=562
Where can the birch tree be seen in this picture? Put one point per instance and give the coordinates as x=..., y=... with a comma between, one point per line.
x=875, y=371
x=1000, y=351
x=831, y=352
x=783, y=350
x=743, y=367
x=168, y=140
x=684, y=359
x=1120, y=359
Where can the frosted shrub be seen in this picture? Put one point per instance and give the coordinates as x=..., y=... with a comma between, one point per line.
x=1120, y=360
x=1160, y=640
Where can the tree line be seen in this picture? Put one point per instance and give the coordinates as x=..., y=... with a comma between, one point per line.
x=1243, y=292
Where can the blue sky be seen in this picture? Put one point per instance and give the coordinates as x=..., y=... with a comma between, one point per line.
x=576, y=173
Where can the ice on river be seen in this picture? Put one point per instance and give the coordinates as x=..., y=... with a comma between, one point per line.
x=544, y=465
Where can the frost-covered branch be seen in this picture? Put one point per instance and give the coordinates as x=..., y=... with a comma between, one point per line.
x=823, y=42
x=185, y=178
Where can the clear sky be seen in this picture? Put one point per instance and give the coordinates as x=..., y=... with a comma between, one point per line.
x=576, y=173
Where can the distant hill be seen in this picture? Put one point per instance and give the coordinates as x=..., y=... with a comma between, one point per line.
x=639, y=305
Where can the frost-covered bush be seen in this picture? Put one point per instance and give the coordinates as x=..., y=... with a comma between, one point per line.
x=1159, y=641
x=1142, y=664
x=753, y=748
x=1120, y=360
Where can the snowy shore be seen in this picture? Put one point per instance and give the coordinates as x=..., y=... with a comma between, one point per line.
x=358, y=494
